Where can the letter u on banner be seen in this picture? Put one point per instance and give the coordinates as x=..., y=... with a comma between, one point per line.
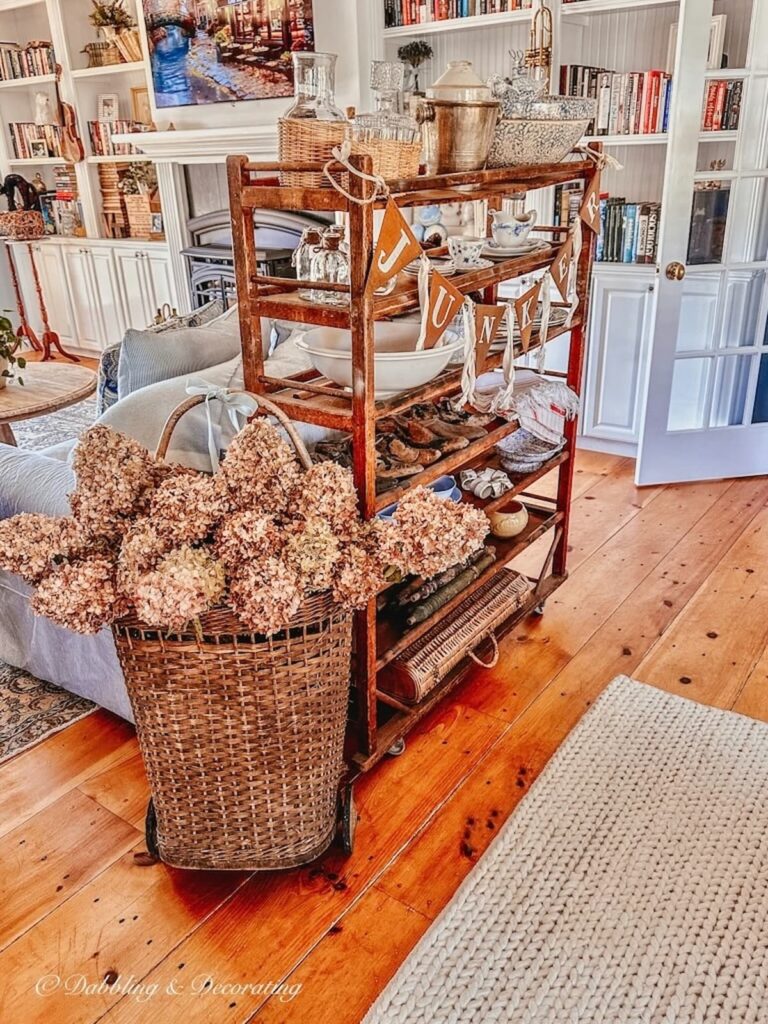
x=445, y=300
x=487, y=321
x=395, y=248
x=525, y=311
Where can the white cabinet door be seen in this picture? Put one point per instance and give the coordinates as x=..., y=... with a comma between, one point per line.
x=105, y=288
x=138, y=303
x=619, y=337
x=50, y=268
x=159, y=273
x=85, y=303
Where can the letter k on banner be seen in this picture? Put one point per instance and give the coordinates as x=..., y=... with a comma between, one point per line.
x=395, y=248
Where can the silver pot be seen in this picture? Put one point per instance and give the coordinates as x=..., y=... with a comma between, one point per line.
x=457, y=134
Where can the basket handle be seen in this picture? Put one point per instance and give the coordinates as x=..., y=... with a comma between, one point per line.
x=260, y=400
x=495, y=657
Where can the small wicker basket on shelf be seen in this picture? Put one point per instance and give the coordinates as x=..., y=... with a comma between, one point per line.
x=241, y=734
x=391, y=159
x=102, y=54
x=309, y=142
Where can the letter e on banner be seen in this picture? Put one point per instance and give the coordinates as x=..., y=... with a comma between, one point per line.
x=487, y=321
x=525, y=312
x=395, y=248
x=590, y=208
x=445, y=300
x=561, y=267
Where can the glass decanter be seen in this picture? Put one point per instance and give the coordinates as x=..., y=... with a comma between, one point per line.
x=314, y=83
x=386, y=121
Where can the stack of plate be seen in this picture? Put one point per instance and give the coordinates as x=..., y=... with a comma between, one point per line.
x=445, y=266
x=494, y=251
x=522, y=452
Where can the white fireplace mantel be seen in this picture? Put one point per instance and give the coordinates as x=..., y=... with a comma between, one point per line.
x=205, y=145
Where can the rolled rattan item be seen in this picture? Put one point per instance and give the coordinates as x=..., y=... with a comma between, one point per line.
x=242, y=735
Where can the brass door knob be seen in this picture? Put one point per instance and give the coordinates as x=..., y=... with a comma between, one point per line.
x=675, y=271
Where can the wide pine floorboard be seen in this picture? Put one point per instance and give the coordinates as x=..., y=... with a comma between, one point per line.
x=666, y=584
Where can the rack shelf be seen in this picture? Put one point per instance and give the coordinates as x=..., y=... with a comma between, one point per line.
x=32, y=80
x=108, y=70
x=454, y=24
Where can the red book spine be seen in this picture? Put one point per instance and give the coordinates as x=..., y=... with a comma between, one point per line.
x=655, y=90
x=717, y=114
x=709, y=107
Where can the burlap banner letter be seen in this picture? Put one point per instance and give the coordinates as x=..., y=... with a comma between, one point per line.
x=525, y=312
x=561, y=267
x=590, y=207
x=445, y=301
x=395, y=248
x=487, y=322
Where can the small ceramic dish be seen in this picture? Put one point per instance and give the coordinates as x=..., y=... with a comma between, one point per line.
x=509, y=521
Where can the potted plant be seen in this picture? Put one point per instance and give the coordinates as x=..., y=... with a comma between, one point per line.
x=9, y=345
x=115, y=24
x=413, y=55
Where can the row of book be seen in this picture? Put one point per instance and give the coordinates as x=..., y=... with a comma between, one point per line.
x=61, y=206
x=628, y=102
x=38, y=141
x=26, y=61
x=628, y=231
x=101, y=133
x=419, y=12
x=722, y=106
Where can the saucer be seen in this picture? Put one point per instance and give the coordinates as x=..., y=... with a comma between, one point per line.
x=500, y=252
x=446, y=267
x=480, y=265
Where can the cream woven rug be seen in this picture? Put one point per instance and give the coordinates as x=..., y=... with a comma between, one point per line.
x=629, y=887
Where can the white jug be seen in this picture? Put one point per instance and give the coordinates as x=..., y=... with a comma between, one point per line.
x=511, y=230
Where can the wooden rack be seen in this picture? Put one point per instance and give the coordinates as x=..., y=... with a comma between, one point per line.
x=379, y=721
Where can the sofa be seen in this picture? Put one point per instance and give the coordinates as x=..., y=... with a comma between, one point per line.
x=41, y=481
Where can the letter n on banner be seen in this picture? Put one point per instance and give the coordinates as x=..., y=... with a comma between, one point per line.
x=525, y=312
x=445, y=301
x=561, y=267
x=590, y=207
x=487, y=321
x=396, y=247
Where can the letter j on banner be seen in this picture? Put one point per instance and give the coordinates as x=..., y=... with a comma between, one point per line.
x=445, y=301
x=395, y=248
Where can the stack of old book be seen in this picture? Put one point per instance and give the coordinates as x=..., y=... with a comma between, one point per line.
x=628, y=102
x=722, y=105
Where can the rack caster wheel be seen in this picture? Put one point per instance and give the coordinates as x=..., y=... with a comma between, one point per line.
x=150, y=831
x=397, y=749
x=347, y=819
x=539, y=609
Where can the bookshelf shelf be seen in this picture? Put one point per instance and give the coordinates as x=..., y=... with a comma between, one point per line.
x=726, y=73
x=638, y=139
x=612, y=6
x=124, y=158
x=108, y=71
x=19, y=83
x=42, y=161
x=454, y=24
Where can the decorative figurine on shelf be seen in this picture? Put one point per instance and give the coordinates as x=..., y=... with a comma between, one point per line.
x=30, y=197
x=38, y=184
x=413, y=55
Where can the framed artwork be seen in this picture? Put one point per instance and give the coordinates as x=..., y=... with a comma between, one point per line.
x=108, y=107
x=141, y=111
x=224, y=51
x=38, y=148
x=157, y=224
x=716, y=44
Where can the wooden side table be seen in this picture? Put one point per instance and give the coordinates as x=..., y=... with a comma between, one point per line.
x=47, y=388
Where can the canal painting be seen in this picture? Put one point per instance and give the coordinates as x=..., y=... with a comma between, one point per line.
x=223, y=51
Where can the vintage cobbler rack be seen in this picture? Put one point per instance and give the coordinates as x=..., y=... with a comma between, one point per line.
x=379, y=722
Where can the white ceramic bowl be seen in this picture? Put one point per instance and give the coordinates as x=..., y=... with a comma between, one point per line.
x=397, y=366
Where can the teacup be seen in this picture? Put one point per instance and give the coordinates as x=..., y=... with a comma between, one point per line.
x=511, y=230
x=465, y=252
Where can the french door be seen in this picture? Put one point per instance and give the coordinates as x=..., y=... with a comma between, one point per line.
x=706, y=407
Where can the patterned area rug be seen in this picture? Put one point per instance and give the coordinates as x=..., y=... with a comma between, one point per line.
x=45, y=431
x=629, y=887
x=30, y=710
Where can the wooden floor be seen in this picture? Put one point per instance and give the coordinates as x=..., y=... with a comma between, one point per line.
x=668, y=584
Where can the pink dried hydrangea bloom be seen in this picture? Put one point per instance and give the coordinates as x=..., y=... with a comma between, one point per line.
x=186, y=508
x=312, y=551
x=265, y=595
x=79, y=595
x=435, y=534
x=113, y=473
x=357, y=577
x=185, y=584
x=141, y=550
x=260, y=470
x=30, y=544
x=327, y=491
x=246, y=537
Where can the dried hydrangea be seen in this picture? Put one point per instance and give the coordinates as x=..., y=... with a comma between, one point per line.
x=312, y=551
x=113, y=474
x=433, y=534
x=266, y=595
x=141, y=550
x=186, y=508
x=30, y=544
x=357, y=577
x=260, y=470
x=246, y=537
x=185, y=584
x=327, y=491
x=79, y=595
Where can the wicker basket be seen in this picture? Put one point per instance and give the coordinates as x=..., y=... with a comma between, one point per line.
x=419, y=669
x=242, y=735
x=102, y=55
x=308, y=142
x=391, y=159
